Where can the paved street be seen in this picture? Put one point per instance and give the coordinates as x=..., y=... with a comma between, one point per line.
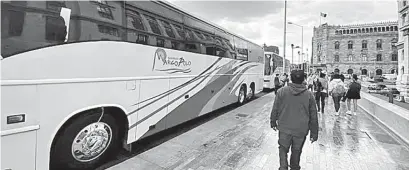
x=242, y=139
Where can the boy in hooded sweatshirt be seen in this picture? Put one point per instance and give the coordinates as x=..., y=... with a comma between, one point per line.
x=294, y=114
x=337, y=90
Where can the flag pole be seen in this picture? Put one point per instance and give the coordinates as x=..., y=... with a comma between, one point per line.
x=320, y=19
x=285, y=29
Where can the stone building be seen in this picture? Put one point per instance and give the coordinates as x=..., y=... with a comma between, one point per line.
x=402, y=81
x=363, y=49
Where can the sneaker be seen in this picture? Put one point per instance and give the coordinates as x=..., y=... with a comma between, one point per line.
x=337, y=113
x=349, y=112
x=354, y=113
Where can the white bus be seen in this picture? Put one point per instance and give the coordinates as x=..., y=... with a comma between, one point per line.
x=79, y=79
x=270, y=70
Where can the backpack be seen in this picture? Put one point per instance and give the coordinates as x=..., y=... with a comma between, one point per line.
x=319, y=87
x=354, y=86
x=276, y=81
x=339, y=90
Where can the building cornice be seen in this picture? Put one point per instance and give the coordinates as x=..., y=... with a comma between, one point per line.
x=403, y=9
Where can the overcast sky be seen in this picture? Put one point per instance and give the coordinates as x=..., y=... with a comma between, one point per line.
x=263, y=21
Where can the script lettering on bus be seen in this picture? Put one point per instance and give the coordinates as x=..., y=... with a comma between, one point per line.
x=162, y=62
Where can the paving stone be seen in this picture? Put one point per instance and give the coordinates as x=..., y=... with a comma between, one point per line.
x=248, y=143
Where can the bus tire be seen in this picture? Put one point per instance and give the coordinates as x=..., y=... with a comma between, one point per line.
x=252, y=93
x=103, y=138
x=242, y=95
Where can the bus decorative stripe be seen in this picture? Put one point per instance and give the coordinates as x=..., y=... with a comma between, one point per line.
x=182, y=85
x=162, y=95
x=167, y=104
x=206, y=75
x=164, y=106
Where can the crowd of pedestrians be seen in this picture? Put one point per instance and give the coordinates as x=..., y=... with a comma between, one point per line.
x=298, y=103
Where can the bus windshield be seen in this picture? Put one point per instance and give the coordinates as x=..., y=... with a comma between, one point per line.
x=25, y=27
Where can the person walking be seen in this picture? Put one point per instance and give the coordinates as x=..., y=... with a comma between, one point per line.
x=321, y=92
x=277, y=85
x=353, y=93
x=294, y=113
x=310, y=82
x=337, y=91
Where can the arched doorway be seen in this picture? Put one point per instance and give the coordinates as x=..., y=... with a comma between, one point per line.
x=378, y=72
x=393, y=71
x=350, y=71
x=336, y=70
x=364, y=72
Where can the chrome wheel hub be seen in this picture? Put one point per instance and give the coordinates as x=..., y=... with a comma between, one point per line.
x=241, y=96
x=251, y=92
x=91, y=142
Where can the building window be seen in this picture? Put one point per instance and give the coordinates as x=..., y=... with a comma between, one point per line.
x=336, y=58
x=350, y=45
x=364, y=57
x=379, y=44
x=168, y=29
x=101, y=2
x=142, y=39
x=154, y=25
x=180, y=31
x=160, y=42
x=394, y=57
x=16, y=24
x=108, y=30
x=379, y=57
x=337, y=45
x=319, y=58
x=55, y=29
x=404, y=2
x=105, y=12
x=174, y=45
x=350, y=57
x=402, y=56
x=55, y=5
x=364, y=44
x=134, y=20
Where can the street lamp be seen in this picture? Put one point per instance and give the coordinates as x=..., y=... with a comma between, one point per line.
x=292, y=53
x=302, y=36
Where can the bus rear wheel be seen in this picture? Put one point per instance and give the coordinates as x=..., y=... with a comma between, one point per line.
x=242, y=95
x=86, y=142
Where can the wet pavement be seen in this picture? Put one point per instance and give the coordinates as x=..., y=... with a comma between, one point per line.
x=242, y=139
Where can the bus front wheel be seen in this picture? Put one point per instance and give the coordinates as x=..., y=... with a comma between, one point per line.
x=86, y=142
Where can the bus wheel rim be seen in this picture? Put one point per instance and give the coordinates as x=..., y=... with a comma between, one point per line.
x=91, y=142
x=241, y=96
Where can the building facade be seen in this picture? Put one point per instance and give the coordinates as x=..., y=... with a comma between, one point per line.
x=402, y=81
x=362, y=49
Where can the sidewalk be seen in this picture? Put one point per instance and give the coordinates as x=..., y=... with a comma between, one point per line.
x=242, y=139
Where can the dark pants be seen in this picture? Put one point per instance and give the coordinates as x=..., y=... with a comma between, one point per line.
x=320, y=96
x=337, y=100
x=276, y=89
x=296, y=143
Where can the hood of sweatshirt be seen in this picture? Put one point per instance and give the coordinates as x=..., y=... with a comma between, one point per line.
x=297, y=89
